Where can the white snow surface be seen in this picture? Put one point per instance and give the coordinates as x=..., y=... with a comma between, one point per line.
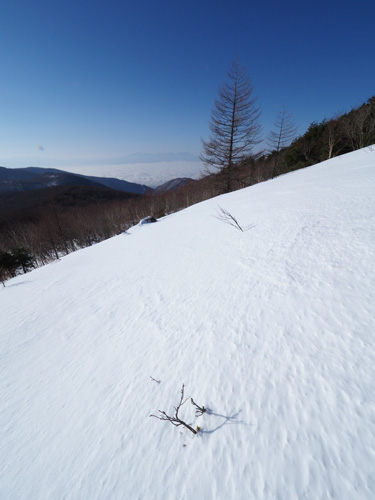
x=271, y=329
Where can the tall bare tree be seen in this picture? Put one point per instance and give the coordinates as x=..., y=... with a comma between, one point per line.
x=333, y=136
x=280, y=137
x=235, y=128
x=359, y=125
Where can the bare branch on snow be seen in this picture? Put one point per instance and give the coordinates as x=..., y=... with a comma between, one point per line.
x=176, y=421
x=228, y=218
x=157, y=381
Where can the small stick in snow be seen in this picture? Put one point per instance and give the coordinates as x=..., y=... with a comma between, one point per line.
x=157, y=381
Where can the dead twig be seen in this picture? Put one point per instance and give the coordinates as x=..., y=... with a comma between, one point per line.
x=198, y=410
x=176, y=421
x=157, y=381
x=228, y=218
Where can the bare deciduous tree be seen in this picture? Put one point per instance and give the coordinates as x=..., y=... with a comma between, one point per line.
x=359, y=125
x=280, y=137
x=234, y=126
x=334, y=136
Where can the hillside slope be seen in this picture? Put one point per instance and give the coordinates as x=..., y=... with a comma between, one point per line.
x=271, y=329
x=13, y=180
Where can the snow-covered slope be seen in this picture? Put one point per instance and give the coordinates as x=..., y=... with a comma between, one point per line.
x=271, y=329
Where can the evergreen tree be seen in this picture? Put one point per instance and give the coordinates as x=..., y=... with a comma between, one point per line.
x=8, y=265
x=12, y=261
x=23, y=259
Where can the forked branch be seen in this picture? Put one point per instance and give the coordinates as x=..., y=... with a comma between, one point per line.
x=176, y=419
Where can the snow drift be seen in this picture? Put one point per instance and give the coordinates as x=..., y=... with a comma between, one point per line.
x=271, y=329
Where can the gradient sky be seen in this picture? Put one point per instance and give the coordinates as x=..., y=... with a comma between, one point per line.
x=91, y=80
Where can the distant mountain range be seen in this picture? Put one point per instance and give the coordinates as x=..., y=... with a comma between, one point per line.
x=24, y=192
x=32, y=178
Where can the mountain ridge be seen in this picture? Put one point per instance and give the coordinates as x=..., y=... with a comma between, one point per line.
x=33, y=178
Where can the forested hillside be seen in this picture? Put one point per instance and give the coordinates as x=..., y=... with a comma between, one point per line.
x=46, y=224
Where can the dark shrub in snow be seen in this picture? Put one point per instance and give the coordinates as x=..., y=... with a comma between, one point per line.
x=148, y=220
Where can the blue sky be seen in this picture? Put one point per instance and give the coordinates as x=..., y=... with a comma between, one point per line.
x=90, y=80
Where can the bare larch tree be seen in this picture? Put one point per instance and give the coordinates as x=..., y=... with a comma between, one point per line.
x=234, y=126
x=280, y=137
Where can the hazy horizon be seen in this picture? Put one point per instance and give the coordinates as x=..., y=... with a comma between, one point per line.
x=84, y=82
x=152, y=173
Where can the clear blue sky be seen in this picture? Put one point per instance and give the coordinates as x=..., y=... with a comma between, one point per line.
x=95, y=79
